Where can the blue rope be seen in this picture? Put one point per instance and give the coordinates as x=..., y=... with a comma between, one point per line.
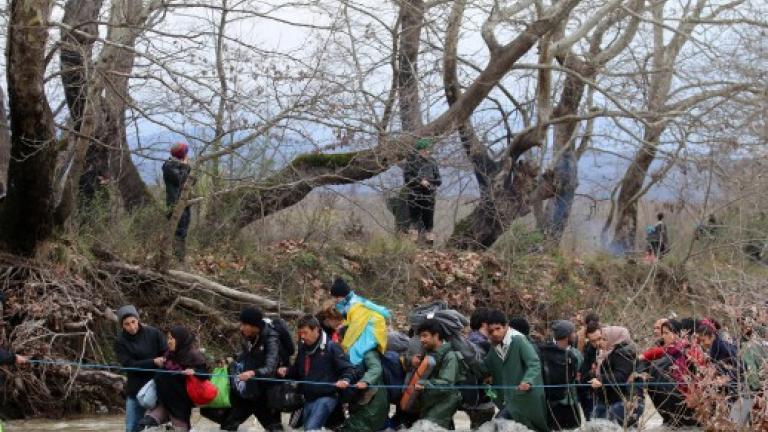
x=322, y=383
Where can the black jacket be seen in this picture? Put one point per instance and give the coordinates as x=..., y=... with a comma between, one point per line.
x=327, y=363
x=261, y=356
x=418, y=167
x=139, y=351
x=7, y=357
x=174, y=175
x=616, y=369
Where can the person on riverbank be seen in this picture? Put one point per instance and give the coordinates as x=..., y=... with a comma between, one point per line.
x=137, y=346
x=369, y=409
x=588, y=351
x=514, y=364
x=321, y=361
x=175, y=172
x=421, y=176
x=173, y=402
x=259, y=358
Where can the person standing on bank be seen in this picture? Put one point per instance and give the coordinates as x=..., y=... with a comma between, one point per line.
x=422, y=178
x=175, y=173
x=137, y=346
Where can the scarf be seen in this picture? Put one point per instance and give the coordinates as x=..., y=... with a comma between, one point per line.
x=184, y=355
x=614, y=336
x=503, y=348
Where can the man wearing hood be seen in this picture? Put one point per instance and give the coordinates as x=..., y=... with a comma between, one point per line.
x=514, y=365
x=137, y=346
x=259, y=358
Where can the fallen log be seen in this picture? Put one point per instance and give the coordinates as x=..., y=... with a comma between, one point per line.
x=189, y=280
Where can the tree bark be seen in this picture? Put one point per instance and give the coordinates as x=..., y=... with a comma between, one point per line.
x=306, y=172
x=5, y=147
x=26, y=215
x=411, y=23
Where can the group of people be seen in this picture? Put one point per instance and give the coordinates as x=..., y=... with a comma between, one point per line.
x=350, y=368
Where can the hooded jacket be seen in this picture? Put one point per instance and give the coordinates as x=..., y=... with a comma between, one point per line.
x=174, y=175
x=139, y=351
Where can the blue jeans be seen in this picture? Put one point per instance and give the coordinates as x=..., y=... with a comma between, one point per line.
x=615, y=412
x=317, y=412
x=133, y=413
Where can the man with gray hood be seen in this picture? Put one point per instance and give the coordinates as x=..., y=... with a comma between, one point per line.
x=137, y=346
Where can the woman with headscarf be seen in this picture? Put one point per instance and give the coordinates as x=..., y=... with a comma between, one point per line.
x=619, y=400
x=173, y=402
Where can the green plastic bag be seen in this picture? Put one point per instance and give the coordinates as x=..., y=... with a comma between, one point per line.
x=220, y=379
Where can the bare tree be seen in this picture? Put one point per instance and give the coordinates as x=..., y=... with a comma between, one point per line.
x=26, y=214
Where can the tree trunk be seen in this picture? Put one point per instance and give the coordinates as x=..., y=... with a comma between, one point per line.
x=5, y=147
x=26, y=215
x=411, y=23
x=625, y=231
x=565, y=170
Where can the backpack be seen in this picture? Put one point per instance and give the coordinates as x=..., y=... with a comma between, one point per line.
x=287, y=348
x=652, y=234
x=393, y=375
x=558, y=367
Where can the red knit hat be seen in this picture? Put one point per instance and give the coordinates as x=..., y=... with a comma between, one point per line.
x=179, y=150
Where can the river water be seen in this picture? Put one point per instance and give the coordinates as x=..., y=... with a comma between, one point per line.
x=651, y=423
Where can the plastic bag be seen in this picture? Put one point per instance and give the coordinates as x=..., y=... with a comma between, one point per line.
x=147, y=396
x=220, y=379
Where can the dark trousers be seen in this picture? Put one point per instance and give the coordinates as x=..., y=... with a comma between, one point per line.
x=180, y=240
x=231, y=418
x=421, y=209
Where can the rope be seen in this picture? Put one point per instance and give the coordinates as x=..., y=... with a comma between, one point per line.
x=324, y=383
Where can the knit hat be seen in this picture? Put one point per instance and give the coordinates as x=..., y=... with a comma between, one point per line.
x=127, y=311
x=179, y=150
x=340, y=288
x=561, y=329
x=252, y=316
x=423, y=144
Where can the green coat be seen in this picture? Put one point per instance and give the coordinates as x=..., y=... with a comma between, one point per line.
x=438, y=405
x=372, y=416
x=520, y=365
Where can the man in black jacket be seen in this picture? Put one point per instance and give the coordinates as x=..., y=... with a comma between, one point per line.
x=422, y=178
x=137, y=346
x=175, y=173
x=259, y=358
x=322, y=361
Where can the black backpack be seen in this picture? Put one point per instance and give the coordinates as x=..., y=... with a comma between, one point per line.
x=558, y=367
x=287, y=348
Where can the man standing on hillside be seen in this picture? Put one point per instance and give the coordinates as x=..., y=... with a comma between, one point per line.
x=422, y=178
x=175, y=173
